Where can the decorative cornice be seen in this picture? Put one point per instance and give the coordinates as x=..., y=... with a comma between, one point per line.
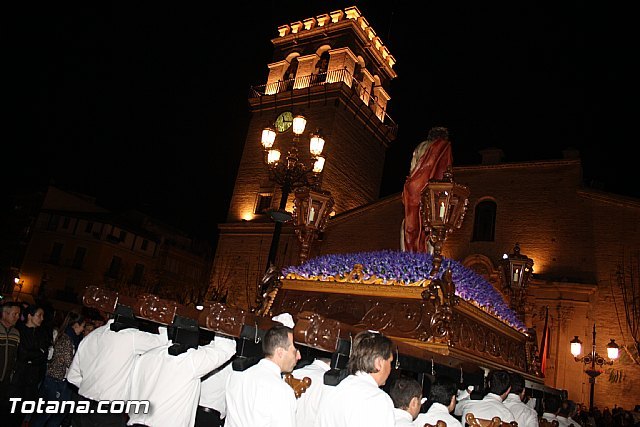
x=337, y=20
x=611, y=198
x=519, y=165
x=247, y=228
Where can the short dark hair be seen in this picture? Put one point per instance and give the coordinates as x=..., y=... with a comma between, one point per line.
x=10, y=304
x=551, y=403
x=442, y=390
x=517, y=382
x=276, y=336
x=571, y=406
x=403, y=390
x=366, y=348
x=499, y=382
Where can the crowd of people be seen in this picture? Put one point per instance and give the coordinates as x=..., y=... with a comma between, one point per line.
x=35, y=354
x=191, y=382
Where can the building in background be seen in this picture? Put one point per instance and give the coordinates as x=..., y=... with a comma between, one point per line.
x=69, y=242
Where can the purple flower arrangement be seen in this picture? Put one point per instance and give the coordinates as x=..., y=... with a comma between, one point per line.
x=406, y=268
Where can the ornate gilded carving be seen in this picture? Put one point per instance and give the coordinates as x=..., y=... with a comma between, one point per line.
x=533, y=357
x=407, y=318
x=298, y=386
x=464, y=333
x=478, y=339
x=268, y=289
x=157, y=309
x=316, y=331
x=378, y=317
x=442, y=294
x=100, y=299
x=433, y=320
x=349, y=309
x=225, y=319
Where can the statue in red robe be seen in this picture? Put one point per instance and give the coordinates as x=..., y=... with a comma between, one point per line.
x=430, y=160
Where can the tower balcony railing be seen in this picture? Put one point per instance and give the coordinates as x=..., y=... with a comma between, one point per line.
x=336, y=76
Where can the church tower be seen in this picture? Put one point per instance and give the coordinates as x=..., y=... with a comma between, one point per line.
x=334, y=70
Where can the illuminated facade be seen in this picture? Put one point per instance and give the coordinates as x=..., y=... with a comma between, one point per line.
x=577, y=237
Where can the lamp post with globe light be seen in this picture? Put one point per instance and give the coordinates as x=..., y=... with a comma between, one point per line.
x=593, y=359
x=290, y=172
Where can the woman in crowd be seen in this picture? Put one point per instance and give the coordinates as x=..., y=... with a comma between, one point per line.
x=55, y=386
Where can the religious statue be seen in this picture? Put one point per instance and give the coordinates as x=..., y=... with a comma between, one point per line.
x=430, y=160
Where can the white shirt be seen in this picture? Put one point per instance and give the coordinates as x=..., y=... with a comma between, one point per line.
x=212, y=390
x=562, y=421
x=549, y=417
x=460, y=404
x=531, y=403
x=357, y=401
x=402, y=418
x=487, y=408
x=171, y=384
x=101, y=368
x=309, y=402
x=259, y=397
x=437, y=412
x=525, y=416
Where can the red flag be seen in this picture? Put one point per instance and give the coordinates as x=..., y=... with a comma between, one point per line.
x=544, y=343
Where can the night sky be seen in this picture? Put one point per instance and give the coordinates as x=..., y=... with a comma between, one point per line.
x=133, y=103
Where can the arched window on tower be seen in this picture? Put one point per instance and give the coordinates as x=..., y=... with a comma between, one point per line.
x=484, y=222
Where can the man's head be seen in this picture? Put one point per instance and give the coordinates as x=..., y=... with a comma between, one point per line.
x=10, y=313
x=278, y=347
x=444, y=391
x=517, y=384
x=406, y=394
x=570, y=406
x=551, y=404
x=499, y=383
x=371, y=352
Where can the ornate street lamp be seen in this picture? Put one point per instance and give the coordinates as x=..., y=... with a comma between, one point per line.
x=443, y=206
x=311, y=211
x=593, y=359
x=291, y=172
x=516, y=270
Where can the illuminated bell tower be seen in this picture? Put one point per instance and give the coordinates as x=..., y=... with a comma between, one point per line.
x=334, y=70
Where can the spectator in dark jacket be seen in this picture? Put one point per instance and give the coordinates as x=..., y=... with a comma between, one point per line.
x=9, y=342
x=32, y=358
